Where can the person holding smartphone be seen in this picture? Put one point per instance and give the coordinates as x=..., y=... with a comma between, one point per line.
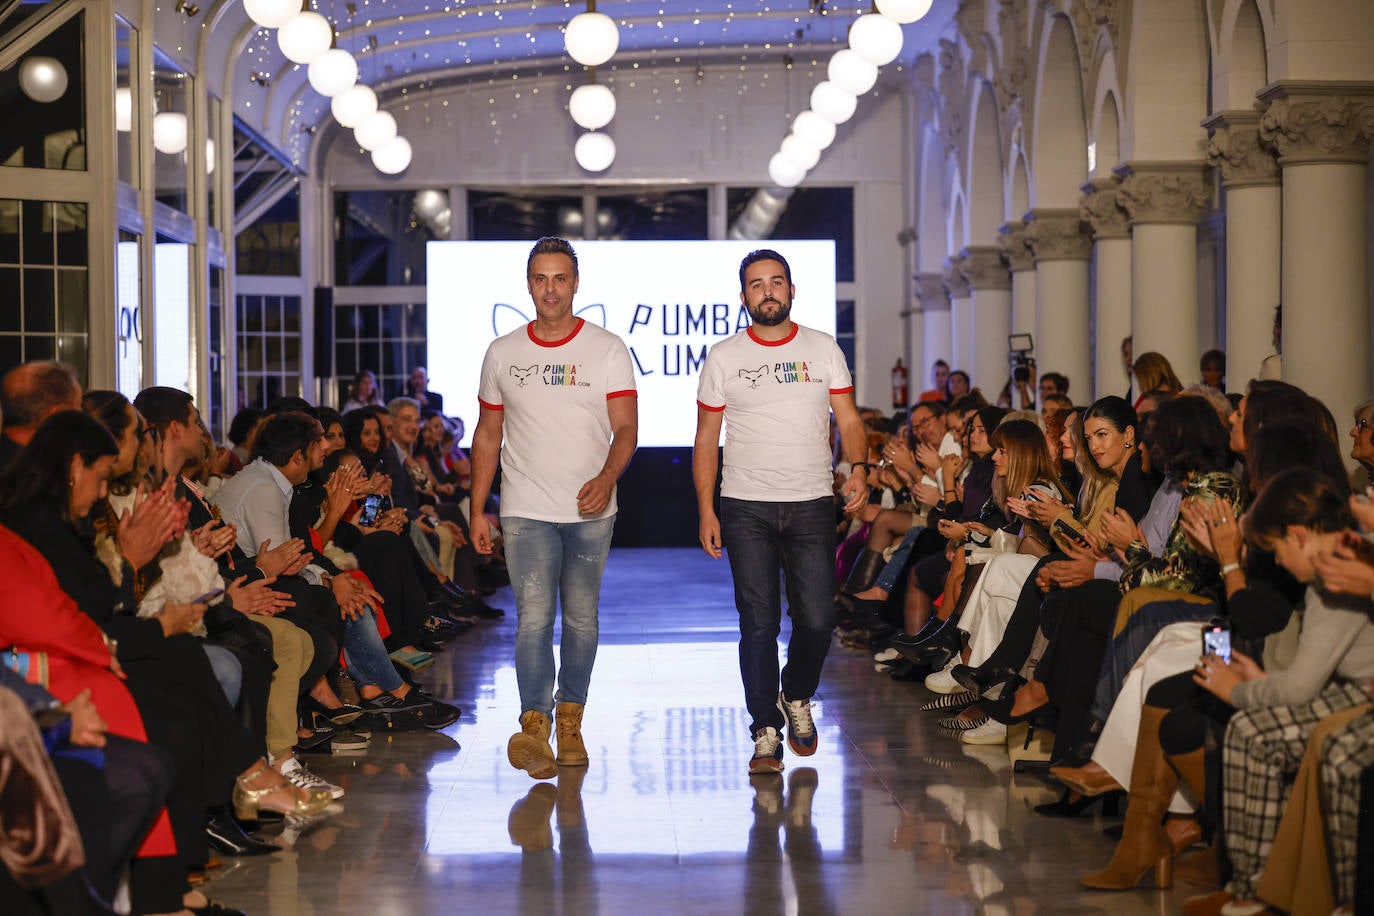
x=1299, y=516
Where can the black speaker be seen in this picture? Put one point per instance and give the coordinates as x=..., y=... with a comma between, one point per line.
x=324, y=331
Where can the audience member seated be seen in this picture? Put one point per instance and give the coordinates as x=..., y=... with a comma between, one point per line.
x=1153, y=373
x=364, y=392
x=417, y=389
x=29, y=394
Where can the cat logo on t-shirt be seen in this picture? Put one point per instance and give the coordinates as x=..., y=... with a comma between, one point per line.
x=521, y=374
x=753, y=377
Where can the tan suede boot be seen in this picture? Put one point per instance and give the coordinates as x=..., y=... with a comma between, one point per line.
x=571, y=751
x=1145, y=845
x=529, y=749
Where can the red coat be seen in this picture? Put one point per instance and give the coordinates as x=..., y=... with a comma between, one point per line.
x=37, y=616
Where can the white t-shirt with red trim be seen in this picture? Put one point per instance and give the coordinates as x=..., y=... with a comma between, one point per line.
x=776, y=398
x=556, y=424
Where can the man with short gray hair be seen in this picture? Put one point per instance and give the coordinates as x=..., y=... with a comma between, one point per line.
x=560, y=394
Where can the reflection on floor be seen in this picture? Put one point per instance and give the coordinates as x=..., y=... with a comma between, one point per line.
x=888, y=817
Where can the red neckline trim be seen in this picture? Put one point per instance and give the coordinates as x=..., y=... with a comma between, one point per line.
x=529, y=329
x=772, y=343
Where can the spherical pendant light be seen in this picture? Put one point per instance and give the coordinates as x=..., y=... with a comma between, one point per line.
x=833, y=103
x=354, y=105
x=43, y=79
x=333, y=72
x=851, y=72
x=592, y=106
x=904, y=10
x=305, y=37
x=877, y=39
x=784, y=172
x=393, y=156
x=271, y=14
x=594, y=152
x=591, y=38
x=800, y=152
x=429, y=203
x=124, y=109
x=169, y=132
x=814, y=129
x=375, y=131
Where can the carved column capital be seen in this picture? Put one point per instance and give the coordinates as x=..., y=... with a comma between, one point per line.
x=1015, y=247
x=983, y=267
x=1101, y=209
x=1057, y=235
x=955, y=284
x=1163, y=192
x=930, y=290
x=1235, y=147
x=1309, y=121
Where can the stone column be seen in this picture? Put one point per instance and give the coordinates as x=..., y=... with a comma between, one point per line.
x=1060, y=244
x=1254, y=239
x=1164, y=201
x=935, y=332
x=1022, y=263
x=960, y=316
x=1322, y=132
x=1101, y=209
x=990, y=283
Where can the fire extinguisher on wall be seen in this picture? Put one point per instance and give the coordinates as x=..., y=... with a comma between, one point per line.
x=899, y=388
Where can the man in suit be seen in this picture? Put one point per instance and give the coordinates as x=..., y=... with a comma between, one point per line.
x=417, y=389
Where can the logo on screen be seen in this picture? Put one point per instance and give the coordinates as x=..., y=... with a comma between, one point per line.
x=506, y=318
x=521, y=374
x=753, y=377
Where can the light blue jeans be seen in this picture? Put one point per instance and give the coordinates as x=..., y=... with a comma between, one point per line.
x=227, y=670
x=553, y=563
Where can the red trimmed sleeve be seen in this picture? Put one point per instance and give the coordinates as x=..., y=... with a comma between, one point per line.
x=705, y=406
x=849, y=390
x=490, y=406
x=623, y=393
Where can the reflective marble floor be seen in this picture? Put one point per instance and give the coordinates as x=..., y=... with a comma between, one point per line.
x=889, y=817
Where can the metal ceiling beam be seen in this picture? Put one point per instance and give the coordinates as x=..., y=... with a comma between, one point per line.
x=277, y=187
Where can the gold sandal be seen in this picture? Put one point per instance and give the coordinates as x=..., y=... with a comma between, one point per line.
x=248, y=801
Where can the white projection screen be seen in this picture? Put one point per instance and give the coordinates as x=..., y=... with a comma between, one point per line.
x=669, y=302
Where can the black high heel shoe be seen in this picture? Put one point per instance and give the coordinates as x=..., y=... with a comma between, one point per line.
x=1068, y=806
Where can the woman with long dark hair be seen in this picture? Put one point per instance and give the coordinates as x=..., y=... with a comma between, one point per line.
x=46, y=498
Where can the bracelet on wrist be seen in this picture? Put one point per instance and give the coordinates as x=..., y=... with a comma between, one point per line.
x=1229, y=568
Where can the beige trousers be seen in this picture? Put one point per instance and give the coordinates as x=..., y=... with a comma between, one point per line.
x=293, y=651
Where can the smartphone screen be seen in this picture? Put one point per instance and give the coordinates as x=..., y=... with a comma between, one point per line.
x=1216, y=640
x=371, y=506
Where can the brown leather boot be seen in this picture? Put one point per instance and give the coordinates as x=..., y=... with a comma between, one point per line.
x=571, y=751
x=1145, y=844
x=529, y=749
x=1192, y=769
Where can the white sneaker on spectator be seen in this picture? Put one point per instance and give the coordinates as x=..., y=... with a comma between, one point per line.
x=887, y=655
x=296, y=772
x=990, y=732
x=943, y=681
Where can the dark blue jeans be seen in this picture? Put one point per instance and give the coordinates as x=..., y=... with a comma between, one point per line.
x=798, y=539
